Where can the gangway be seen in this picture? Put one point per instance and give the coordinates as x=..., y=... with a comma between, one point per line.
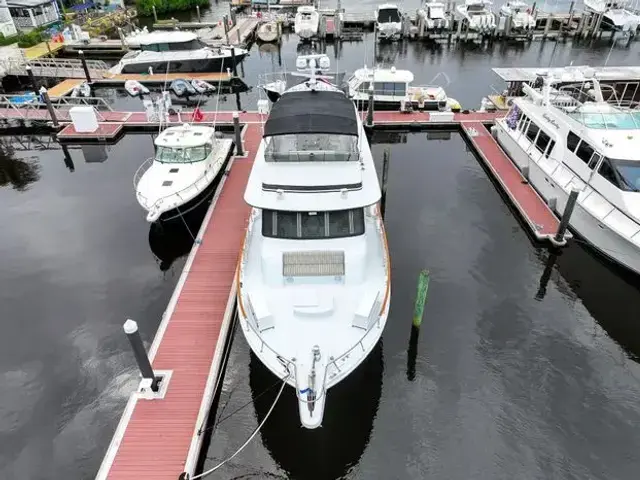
x=54, y=67
x=37, y=110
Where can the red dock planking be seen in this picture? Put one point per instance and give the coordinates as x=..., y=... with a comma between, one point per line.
x=105, y=131
x=159, y=438
x=537, y=214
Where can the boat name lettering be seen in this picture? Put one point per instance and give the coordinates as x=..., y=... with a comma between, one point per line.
x=550, y=120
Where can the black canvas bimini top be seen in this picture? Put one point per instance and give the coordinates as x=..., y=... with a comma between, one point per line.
x=312, y=112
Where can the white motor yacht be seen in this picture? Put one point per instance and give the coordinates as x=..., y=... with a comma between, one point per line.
x=306, y=22
x=520, y=13
x=187, y=160
x=314, y=275
x=388, y=22
x=582, y=136
x=478, y=15
x=176, y=51
x=434, y=15
x=392, y=86
x=617, y=15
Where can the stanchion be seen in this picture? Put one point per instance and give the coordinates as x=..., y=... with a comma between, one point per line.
x=238, y=131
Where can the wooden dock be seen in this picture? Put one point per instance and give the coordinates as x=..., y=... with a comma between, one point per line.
x=160, y=438
x=538, y=216
x=239, y=33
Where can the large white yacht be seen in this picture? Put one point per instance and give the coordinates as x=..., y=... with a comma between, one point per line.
x=477, y=14
x=582, y=136
x=314, y=275
x=176, y=51
x=187, y=160
x=389, y=22
x=306, y=22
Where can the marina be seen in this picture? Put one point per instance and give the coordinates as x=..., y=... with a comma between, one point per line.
x=525, y=338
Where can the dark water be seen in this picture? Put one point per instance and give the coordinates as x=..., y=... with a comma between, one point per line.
x=509, y=380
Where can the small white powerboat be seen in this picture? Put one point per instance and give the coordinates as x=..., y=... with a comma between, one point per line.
x=200, y=86
x=135, y=88
x=306, y=22
x=188, y=159
x=267, y=32
x=182, y=87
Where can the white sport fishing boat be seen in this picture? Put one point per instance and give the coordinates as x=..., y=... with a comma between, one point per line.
x=187, y=161
x=176, y=51
x=434, y=15
x=392, y=87
x=520, y=13
x=582, y=136
x=388, y=22
x=314, y=275
x=478, y=15
x=617, y=15
x=306, y=22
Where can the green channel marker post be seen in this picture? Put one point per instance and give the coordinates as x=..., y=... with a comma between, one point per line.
x=421, y=297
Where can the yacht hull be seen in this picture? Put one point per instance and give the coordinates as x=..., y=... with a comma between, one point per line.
x=216, y=64
x=596, y=233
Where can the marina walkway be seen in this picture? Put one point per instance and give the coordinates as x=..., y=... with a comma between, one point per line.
x=536, y=213
x=42, y=49
x=160, y=438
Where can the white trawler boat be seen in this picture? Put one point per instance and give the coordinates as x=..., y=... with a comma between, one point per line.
x=176, y=51
x=389, y=22
x=520, y=13
x=477, y=14
x=583, y=136
x=188, y=159
x=314, y=276
x=392, y=87
x=306, y=22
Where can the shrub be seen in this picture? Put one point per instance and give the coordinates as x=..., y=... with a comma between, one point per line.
x=144, y=7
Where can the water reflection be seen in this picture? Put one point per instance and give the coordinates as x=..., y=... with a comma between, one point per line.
x=173, y=239
x=332, y=450
x=18, y=173
x=610, y=293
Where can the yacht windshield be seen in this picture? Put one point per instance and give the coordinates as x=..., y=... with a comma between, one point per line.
x=312, y=147
x=313, y=225
x=182, y=155
x=629, y=173
x=389, y=15
x=619, y=120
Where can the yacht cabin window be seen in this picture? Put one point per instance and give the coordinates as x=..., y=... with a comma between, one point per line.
x=538, y=137
x=312, y=225
x=183, y=155
x=623, y=174
x=390, y=88
x=311, y=147
x=583, y=150
x=173, y=46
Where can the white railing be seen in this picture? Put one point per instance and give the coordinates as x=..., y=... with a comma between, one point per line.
x=54, y=67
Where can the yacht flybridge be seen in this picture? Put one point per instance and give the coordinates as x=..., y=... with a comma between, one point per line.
x=582, y=136
x=314, y=275
x=176, y=51
x=188, y=159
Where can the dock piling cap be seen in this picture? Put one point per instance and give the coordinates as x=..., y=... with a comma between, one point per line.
x=130, y=326
x=393, y=69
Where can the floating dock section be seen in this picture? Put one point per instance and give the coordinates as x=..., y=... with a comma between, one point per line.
x=160, y=435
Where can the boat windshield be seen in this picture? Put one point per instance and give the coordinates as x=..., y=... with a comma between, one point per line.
x=311, y=147
x=619, y=120
x=389, y=15
x=183, y=155
x=313, y=225
x=628, y=172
